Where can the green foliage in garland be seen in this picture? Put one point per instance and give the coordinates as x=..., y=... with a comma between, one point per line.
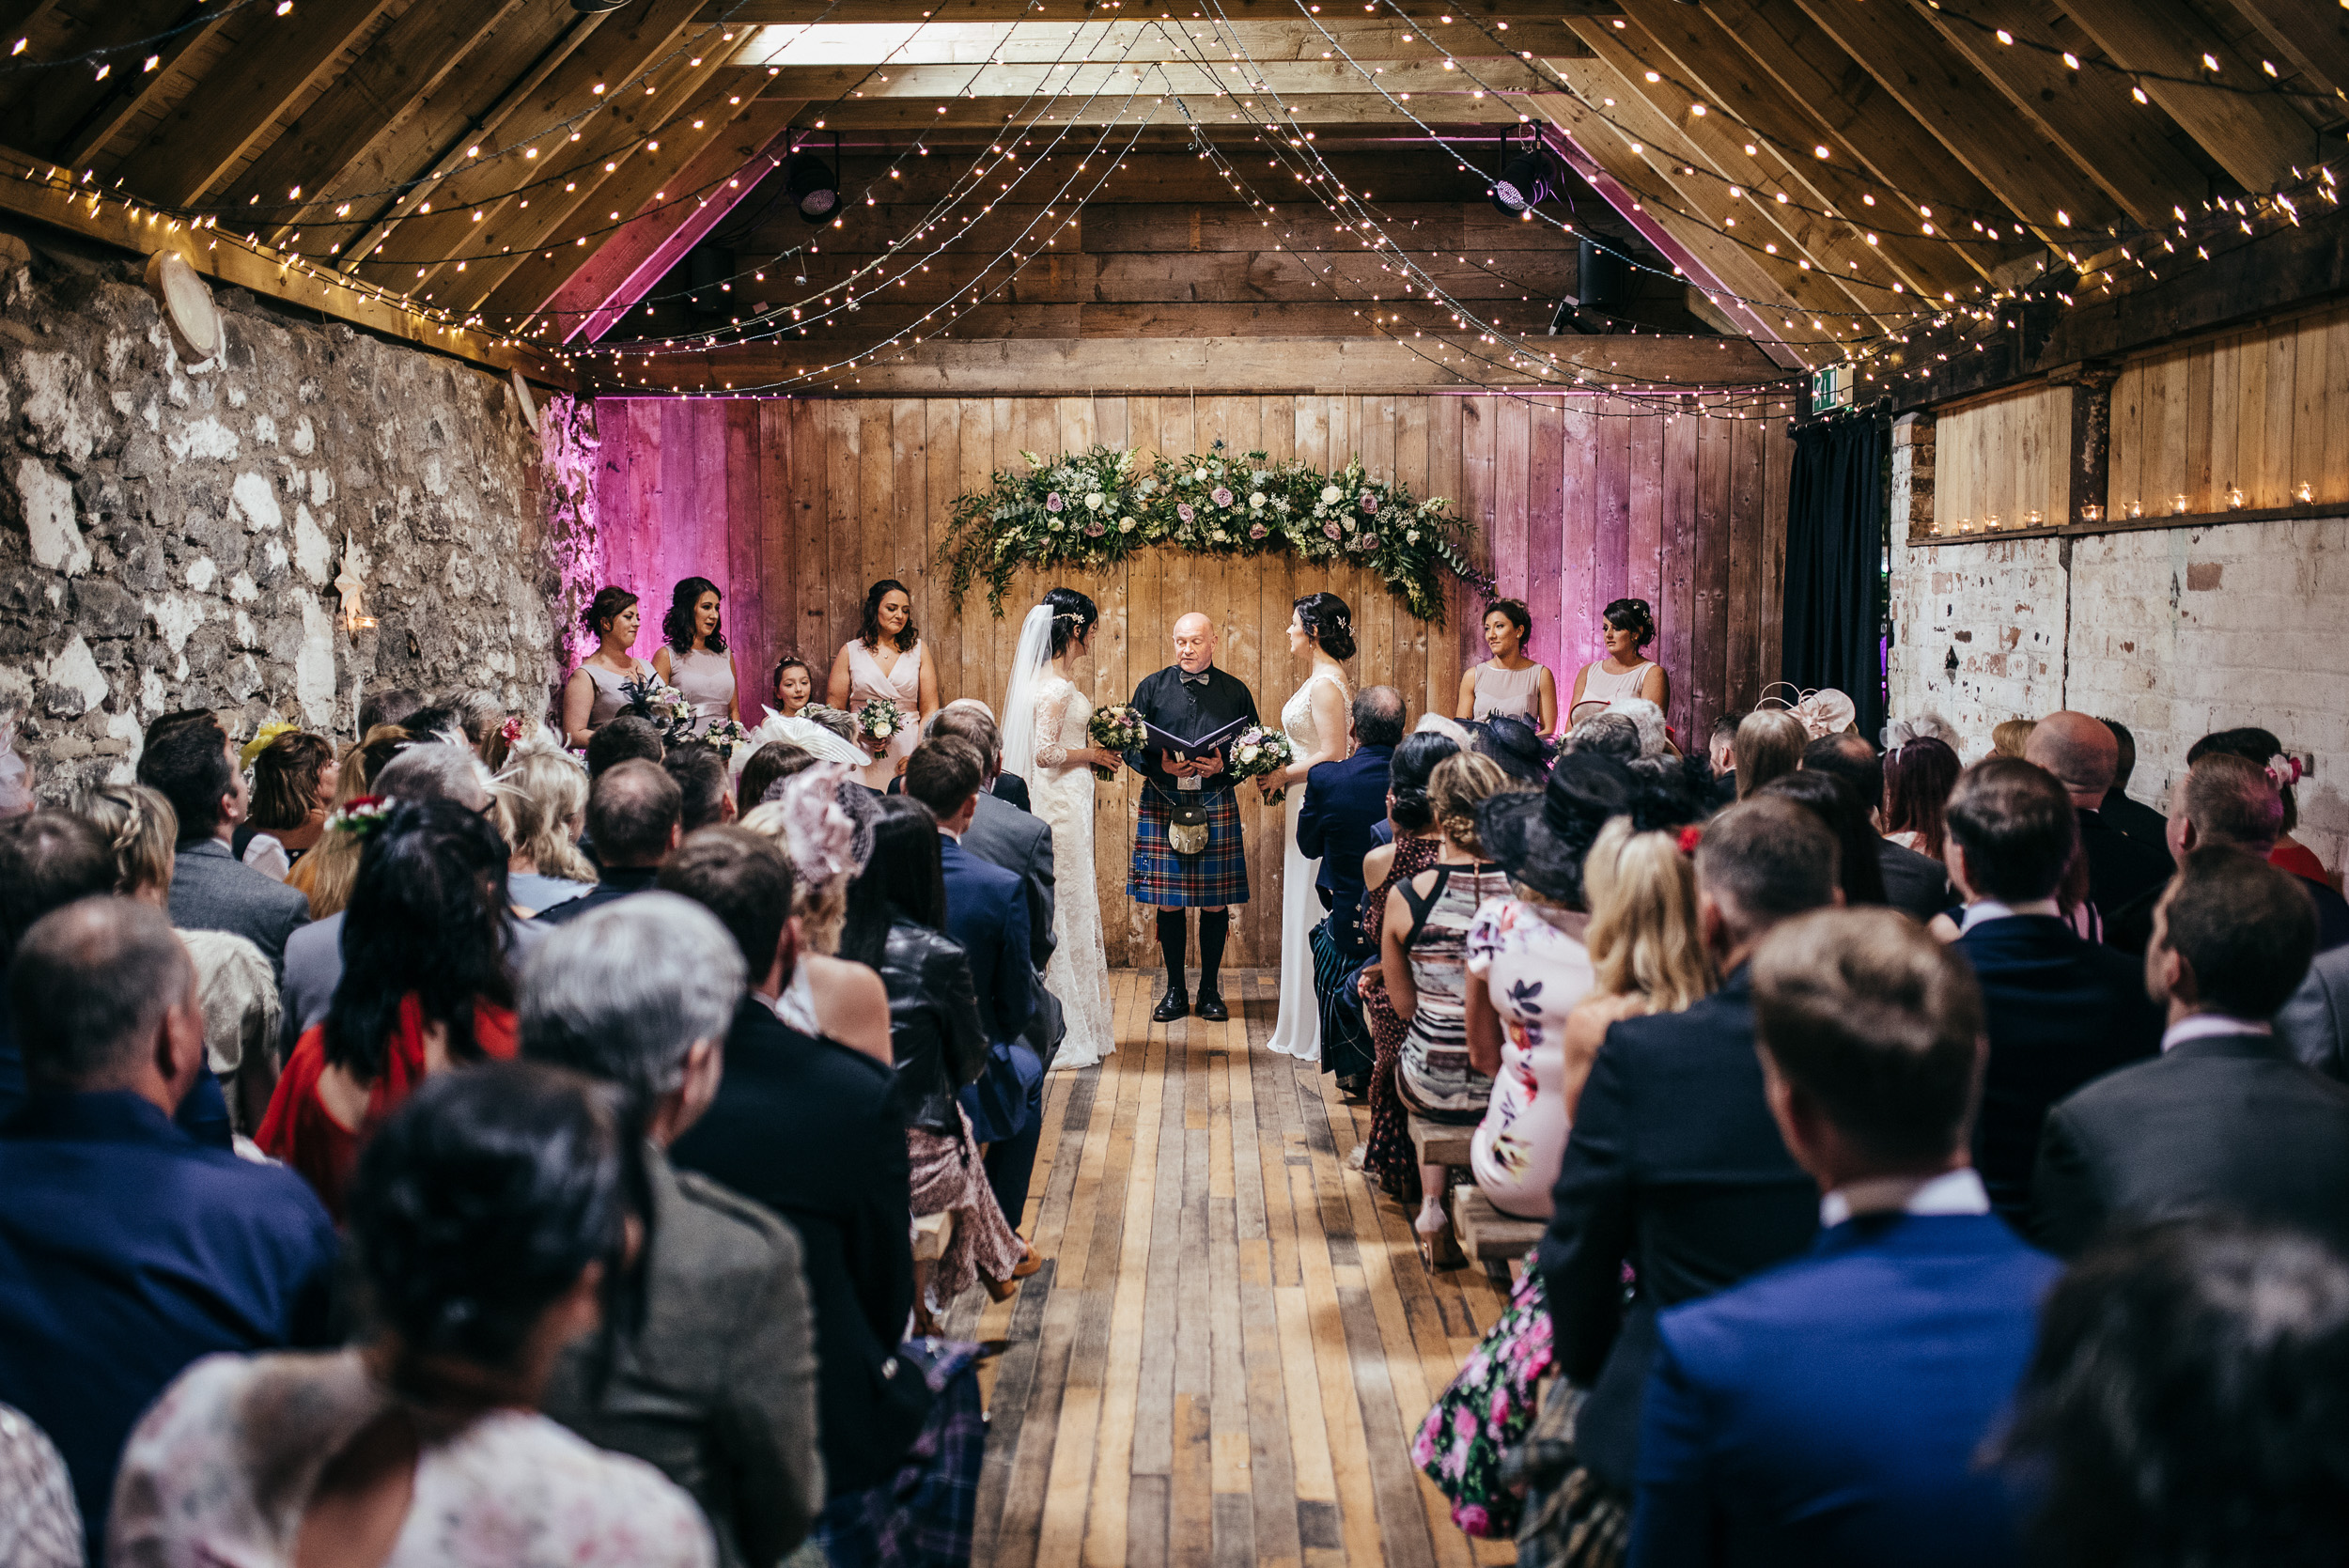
x=1089, y=511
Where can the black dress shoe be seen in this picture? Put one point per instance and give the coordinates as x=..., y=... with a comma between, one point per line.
x=1211, y=1007
x=1170, y=1006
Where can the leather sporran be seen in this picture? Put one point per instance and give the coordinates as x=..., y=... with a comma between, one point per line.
x=1187, y=828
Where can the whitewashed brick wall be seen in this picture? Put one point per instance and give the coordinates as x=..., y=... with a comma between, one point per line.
x=2175, y=633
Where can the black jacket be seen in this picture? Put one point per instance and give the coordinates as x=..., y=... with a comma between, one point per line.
x=934, y=1026
x=1675, y=1167
x=1344, y=801
x=2130, y=928
x=618, y=882
x=1171, y=702
x=2060, y=1012
x=2120, y=868
x=805, y=1127
x=2224, y=1123
x=2133, y=818
x=1917, y=885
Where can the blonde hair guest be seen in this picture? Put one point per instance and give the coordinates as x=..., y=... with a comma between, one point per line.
x=141, y=827
x=823, y=823
x=1646, y=950
x=541, y=802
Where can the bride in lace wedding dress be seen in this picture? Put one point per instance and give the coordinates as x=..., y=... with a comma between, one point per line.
x=1047, y=741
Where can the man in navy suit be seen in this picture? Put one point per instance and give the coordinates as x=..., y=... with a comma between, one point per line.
x=1345, y=803
x=1828, y=1411
x=986, y=911
x=2059, y=1010
x=1673, y=1165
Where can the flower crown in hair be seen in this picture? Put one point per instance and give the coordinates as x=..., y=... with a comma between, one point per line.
x=361, y=818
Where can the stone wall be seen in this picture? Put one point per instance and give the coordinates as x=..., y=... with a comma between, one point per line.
x=170, y=533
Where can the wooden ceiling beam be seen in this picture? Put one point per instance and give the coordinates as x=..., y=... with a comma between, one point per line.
x=2256, y=136
x=776, y=12
x=2088, y=113
x=138, y=95
x=2312, y=34
x=1148, y=108
x=1361, y=37
x=200, y=140
x=1186, y=78
x=367, y=107
x=2032, y=179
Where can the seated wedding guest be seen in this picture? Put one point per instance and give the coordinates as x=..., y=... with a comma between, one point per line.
x=823, y=823
x=192, y=765
x=427, y=983
x=1673, y=1163
x=1423, y=959
x=48, y=859
x=2010, y=737
x=1527, y=968
x=1004, y=832
x=387, y=708
x=1509, y=682
x=37, y=1497
x=294, y=779
x=975, y=721
x=1647, y=955
x=1647, y=721
x=2226, y=801
x=2125, y=813
x=1387, y=1157
x=1626, y=626
x=592, y=698
x=1720, y=755
x=127, y=1251
x=763, y=769
x=1918, y=774
x=2181, y=1410
x=1769, y=743
x=635, y=815
x=986, y=915
x=1916, y=884
x=1838, y=809
x=1608, y=733
x=324, y=876
x=897, y=926
x=436, y=722
x=2083, y=756
x=1512, y=743
x=2262, y=747
x=1344, y=801
x=715, y=1381
x=1828, y=1411
x=805, y=1126
x=703, y=800
x=793, y=684
x=493, y=1222
x=233, y=983
x=543, y=809
x=2315, y=1024
x=626, y=739
x=2224, y=1119
x=2059, y=1011
x=481, y=718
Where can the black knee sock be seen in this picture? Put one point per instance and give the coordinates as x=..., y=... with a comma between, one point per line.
x=1212, y=929
x=1173, y=938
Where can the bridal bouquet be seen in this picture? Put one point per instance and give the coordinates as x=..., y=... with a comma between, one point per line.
x=726, y=732
x=663, y=706
x=1118, y=727
x=879, y=720
x=1256, y=752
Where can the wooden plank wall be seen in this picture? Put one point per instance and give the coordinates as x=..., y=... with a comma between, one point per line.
x=793, y=507
x=2264, y=410
x=2005, y=457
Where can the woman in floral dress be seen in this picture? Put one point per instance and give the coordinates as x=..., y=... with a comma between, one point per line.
x=1387, y=1156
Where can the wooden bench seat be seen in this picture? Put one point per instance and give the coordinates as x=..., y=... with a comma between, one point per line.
x=1487, y=1236
x=1441, y=1142
x=931, y=1233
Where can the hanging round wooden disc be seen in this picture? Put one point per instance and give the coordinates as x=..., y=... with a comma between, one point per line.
x=187, y=303
x=528, y=404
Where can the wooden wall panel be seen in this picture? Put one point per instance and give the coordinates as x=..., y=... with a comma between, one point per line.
x=2006, y=456
x=793, y=507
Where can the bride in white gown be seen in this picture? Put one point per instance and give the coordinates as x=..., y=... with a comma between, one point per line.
x=1047, y=741
x=1315, y=717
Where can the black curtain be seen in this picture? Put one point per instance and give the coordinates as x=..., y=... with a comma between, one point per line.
x=1835, y=564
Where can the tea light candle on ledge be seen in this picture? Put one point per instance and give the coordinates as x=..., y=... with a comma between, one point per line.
x=1990, y=521
x=2032, y=519
x=2303, y=493
x=2234, y=496
x=2091, y=513
x=2177, y=506
x=2136, y=508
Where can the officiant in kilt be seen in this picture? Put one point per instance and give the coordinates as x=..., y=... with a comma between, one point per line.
x=1171, y=869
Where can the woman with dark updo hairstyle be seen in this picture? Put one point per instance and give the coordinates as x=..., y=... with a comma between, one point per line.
x=1321, y=631
x=592, y=697
x=497, y=1216
x=1625, y=626
x=1509, y=682
x=886, y=658
x=427, y=983
x=693, y=655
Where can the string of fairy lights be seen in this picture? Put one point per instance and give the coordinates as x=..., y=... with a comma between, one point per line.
x=1862, y=346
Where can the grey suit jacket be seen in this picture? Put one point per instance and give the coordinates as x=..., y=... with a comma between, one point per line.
x=212, y=890
x=2315, y=1024
x=717, y=1388
x=1021, y=843
x=314, y=966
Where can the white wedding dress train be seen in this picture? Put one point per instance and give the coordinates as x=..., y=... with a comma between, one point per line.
x=1079, y=970
x=1298, y=1030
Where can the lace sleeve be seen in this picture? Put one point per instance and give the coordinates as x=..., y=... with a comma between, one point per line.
x=1049, y=712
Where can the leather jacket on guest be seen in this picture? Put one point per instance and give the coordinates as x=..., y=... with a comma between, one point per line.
x=933, y=1025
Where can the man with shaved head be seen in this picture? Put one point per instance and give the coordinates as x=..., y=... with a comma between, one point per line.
x=2083, y=756
x=1173, y=870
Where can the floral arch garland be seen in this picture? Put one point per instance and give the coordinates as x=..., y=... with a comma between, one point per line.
x=1092, y=510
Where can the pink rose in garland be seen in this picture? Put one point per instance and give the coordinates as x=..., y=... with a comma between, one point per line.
x=1255, y=530
x=1331, y=529
x=1370, y=502
x=1182, y=509
x=1053, y=503
x=1221, y=497
x=1094, y=529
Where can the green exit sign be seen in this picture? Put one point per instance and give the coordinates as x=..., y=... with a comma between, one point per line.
x=1831, y=388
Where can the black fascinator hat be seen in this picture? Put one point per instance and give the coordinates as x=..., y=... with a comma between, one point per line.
x=1511, y=742
x=1541, y=839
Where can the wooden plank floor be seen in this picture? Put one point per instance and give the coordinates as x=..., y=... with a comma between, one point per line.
x=1226, y=1357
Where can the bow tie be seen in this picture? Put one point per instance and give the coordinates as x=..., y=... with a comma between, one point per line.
x=1199, y=679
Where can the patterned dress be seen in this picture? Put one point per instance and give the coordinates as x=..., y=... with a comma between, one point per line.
x=1487, y=1411
x=1433, y=1073
x=1387, y=1157
x=1535, y=971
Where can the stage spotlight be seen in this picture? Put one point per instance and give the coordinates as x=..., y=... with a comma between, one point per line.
x=814, y=185
x=1526, y=179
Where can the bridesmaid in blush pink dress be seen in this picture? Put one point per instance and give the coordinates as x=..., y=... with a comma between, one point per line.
x=886, y=658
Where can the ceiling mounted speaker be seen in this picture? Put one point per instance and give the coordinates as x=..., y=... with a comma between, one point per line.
x=1526, y=179
x=187, y=303
x=813, y=184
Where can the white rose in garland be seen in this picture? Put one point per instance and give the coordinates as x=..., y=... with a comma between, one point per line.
x=1329, y=493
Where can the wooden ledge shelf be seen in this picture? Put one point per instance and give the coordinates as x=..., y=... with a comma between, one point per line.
x=2131, y=525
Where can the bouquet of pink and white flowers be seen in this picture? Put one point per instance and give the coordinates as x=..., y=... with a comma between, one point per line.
x=1118, y=727
x=727, y=732
x=663, y=706
x=880, y=720
x=1258, y=752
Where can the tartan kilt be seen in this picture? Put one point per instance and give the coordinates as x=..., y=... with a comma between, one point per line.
x=1214, y=878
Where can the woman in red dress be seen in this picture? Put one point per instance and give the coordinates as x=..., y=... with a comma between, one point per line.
x=426, y=983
